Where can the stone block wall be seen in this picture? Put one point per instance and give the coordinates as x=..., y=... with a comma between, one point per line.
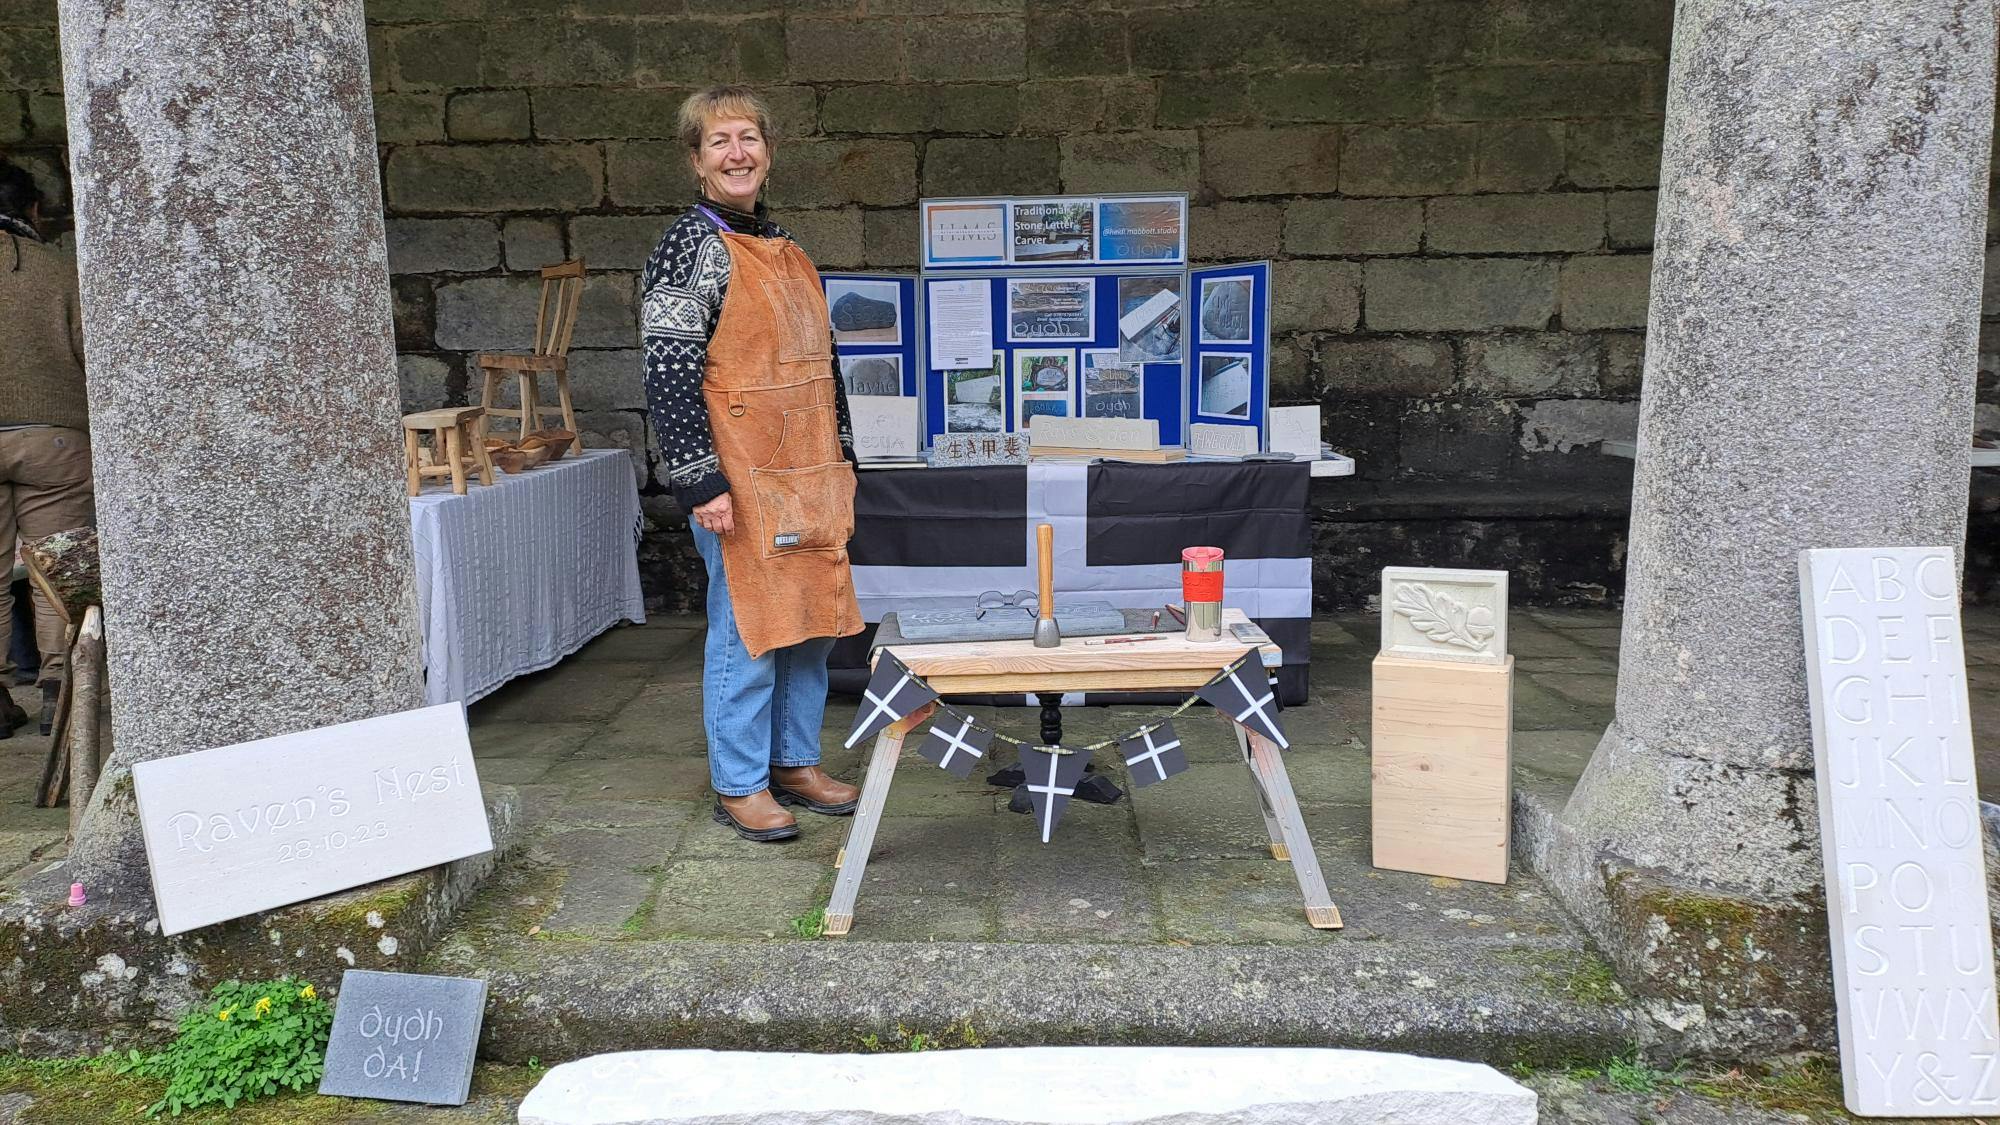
x=1458, y=194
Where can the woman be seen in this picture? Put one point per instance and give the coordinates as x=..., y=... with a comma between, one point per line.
x=759, y=451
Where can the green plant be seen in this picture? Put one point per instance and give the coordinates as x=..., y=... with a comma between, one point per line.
x=1634, y=1076
x=810, y=925
x=248, y=1041
x=958, y=1033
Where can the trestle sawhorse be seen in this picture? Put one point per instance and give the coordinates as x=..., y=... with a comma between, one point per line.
x=1171, y=664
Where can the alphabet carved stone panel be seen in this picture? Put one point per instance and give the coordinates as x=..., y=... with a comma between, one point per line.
x=1900, y=829
x=244, y=828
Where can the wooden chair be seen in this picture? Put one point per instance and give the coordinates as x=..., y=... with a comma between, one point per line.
x=457, y=448
x=555, y=323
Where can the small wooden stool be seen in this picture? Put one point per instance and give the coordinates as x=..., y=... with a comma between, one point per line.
x=457, y=447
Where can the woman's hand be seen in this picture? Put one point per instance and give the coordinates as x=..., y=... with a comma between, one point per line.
x=718, y=515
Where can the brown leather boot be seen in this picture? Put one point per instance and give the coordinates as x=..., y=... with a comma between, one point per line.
x=812, y=787
x=756, y=817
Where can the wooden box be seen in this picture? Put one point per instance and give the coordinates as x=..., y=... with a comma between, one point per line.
x=1442, y=766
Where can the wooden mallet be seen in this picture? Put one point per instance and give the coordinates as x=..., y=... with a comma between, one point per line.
x=1047, y=635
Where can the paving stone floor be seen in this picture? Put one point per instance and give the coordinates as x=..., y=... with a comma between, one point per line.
x=608, y=753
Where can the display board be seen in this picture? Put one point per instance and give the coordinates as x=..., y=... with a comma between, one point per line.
x=1072, y=306
x=1054, y=232
x=1229, y=347
x=1060, y=345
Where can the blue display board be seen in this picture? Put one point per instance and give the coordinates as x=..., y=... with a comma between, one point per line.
x=1054, y=232
x=1077, y=344
x=1229, y=347
x=871, y=356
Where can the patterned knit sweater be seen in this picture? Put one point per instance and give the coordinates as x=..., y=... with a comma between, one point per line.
x=685, y=283
x=41, y=333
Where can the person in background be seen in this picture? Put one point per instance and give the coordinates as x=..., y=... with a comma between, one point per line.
x=44, y=424
x=754, y=428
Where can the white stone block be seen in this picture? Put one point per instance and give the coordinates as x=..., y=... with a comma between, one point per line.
x=1438, y=614
x=1019, y=1085
x=249, y=827
x=1901, y=833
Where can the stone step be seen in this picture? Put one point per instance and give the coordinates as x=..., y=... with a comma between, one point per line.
x=1517, y=1002
x=1016, y=1086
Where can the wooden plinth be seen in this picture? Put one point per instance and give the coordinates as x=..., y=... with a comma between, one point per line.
x=1442, y=762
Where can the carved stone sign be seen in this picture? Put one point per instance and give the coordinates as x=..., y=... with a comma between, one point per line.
x=404, y=1037
x=1900, y=831
x=244, y=828
x=960, y=450
x=1439, y=614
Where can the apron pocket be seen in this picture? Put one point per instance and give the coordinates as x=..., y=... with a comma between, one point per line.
x=808, y=438
x=804, y=509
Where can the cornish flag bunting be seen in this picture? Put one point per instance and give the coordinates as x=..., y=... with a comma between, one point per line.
x=956, y=744
x=1052, y=782
x=1153, y=755
x=1243, y=693
x=892, y=693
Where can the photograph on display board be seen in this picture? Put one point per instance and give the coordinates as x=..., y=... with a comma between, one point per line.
x=1044, y=372
x=1141, y=230
x=1054, y=231
x=1053, y=310
x=965, y=234
x=973, y=398
x=872, y=374
x=1225, y=385
x=865, y=312
x=1225, y=310
x=1110, y=388
x=1055, y=406
x=1149, y=319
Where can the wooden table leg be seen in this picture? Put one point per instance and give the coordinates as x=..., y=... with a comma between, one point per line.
x=1271, y=829
x=1270, y=771
x=853, y=859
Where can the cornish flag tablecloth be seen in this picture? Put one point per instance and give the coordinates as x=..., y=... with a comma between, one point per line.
x=936, y=538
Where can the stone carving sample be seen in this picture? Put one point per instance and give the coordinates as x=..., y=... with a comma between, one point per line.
x=244, y=828
x=1133, y=1085
x=1900, y=832
x=1439, y=614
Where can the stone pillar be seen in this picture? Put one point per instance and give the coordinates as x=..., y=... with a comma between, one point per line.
x=243, y=391
x=1809, y=378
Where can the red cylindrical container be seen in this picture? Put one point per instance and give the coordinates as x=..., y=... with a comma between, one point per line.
x=1201, y=589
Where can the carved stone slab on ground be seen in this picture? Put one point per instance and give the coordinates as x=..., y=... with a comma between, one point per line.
x=1017, y=1085
x=1435, y=613
x=1900, y=831
x=244, y=828
x=404, y=1037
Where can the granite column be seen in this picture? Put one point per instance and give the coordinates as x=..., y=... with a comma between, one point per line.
x=1810, y=364
x=242, y=380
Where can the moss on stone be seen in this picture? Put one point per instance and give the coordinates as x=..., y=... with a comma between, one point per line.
x=1679, y=908
x=389, y=900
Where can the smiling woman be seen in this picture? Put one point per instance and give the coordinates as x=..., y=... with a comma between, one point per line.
x=754, y=428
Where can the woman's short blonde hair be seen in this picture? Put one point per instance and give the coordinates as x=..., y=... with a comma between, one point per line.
x=720, y=103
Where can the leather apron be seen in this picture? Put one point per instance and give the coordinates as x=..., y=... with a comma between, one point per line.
x=770, y=392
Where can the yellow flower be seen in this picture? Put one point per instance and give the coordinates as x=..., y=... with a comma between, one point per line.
x=224, y=1014
x=263, y=1006
x=308, y=993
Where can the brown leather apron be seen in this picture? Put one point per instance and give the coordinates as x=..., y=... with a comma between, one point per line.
x=769, y=387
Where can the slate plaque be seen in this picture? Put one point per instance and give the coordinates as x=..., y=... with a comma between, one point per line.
x=244, y=828
x=1900, y=832
x=404, y=1037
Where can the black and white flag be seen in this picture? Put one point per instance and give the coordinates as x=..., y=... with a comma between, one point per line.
x=1153, y=755
x=1243, y=692
x=1052, y=782
x=892, y=693
x=956, y=745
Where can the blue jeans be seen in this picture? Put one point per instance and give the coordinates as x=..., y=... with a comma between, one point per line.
x=757, y=713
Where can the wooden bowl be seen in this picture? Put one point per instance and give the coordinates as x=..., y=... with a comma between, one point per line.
x=523, y=458
x=558, y=440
